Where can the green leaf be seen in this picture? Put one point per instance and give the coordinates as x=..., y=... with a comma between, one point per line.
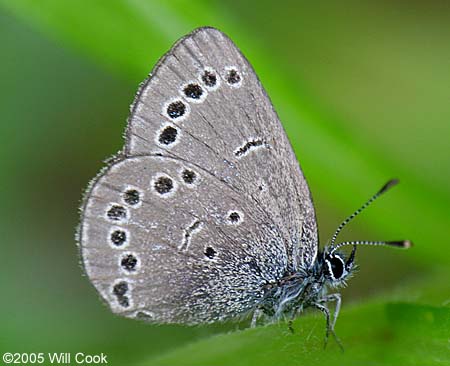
x=373, y=333
x=378, y=332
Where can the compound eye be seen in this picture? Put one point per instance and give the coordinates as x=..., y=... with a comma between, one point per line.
x=335, y=267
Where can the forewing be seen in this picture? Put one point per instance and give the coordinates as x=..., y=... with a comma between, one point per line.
x=167, y=240
x=204, y=103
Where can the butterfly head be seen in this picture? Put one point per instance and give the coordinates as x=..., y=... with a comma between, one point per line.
x=336, y=268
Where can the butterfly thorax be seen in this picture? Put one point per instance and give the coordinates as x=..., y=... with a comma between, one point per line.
x=294, y=292
x=307, y=287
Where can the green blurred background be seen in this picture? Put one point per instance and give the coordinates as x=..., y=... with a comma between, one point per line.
x=362, y=88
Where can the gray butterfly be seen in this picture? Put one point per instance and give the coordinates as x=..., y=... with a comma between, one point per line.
x=205, y=215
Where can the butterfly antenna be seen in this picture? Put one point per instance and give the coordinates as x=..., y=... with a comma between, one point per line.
x=405, y=244
x=385, y=188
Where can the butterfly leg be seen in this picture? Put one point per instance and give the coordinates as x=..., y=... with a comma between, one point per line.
x=329, y=326
x=326, y=312
x=334, y=297
x=337, y=298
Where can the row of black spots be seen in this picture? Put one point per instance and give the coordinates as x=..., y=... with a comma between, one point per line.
x=248, y=146
x=117, y=212
x=211, y=80
x=120, y=290
x=194, y=92
x=118, y=237
x=165, y=185
x=177, y=109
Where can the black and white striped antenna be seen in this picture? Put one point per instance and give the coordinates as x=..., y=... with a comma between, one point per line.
x=397, y=243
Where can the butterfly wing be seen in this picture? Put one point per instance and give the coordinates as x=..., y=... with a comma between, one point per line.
x=159, y=241
x=208, y=203
x=231, y=129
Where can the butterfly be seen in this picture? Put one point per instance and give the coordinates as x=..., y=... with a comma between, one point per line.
x=205, y=215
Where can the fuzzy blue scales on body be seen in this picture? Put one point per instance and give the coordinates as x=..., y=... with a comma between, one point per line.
x=205, y=215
